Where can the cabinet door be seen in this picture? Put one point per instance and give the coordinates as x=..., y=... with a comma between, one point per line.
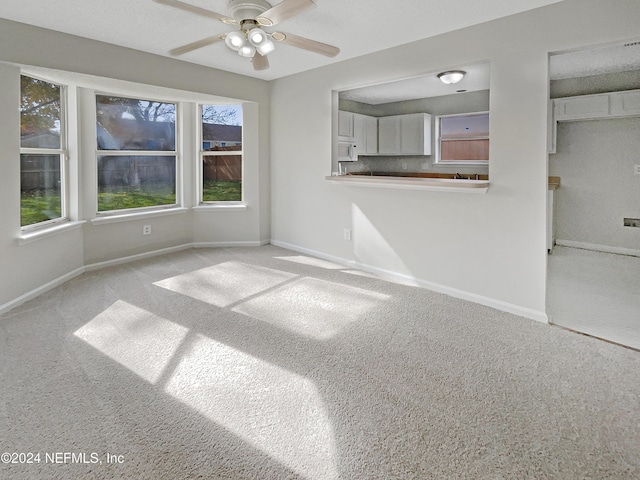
x=577, y=108
x=345, y=124
x=389, y=135
x=371, y=133
x=415, y=134
x=359, y=134
x=625, y=103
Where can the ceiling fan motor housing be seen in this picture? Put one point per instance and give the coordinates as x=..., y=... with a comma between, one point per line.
x=247, y=9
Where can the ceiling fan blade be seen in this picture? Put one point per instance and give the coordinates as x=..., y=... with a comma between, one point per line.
x=197, y=10
x=195, y=45
x=260, y=62
x=307, y=44
x=282, y=11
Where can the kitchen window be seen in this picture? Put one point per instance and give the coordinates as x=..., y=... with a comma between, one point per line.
x=221, y=155
x=463, y=139
x=136, y=153
x=43, y=179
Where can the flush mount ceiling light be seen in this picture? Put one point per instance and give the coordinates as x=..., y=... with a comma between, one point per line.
x=452, y=76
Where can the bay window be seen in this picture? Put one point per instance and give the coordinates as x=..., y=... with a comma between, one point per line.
x=221, y=153
x=42, y=153
x=136, y=153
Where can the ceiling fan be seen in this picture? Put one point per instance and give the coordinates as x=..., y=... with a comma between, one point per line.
x=251, y=40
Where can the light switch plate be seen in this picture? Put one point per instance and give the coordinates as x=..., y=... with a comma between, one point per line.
x=636, y=169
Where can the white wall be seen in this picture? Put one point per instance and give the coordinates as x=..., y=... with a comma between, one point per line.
x=595, y=160
x=490, y=247
x=25, y=268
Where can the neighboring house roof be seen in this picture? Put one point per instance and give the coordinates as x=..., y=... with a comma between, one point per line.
x=222, y=133
x=40, y=140
x=127, y=134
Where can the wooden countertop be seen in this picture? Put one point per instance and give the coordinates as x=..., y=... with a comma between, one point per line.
x=449, y=176
x=554, y=182
x=423, y=183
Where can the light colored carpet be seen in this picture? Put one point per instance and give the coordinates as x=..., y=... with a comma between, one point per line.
x=261, y=363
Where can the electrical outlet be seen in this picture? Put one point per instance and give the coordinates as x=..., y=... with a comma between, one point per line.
x=636, y=169
x=632, y=222
x=347, y=234
x=424, y=166
x=146, y=230
x=404, y=165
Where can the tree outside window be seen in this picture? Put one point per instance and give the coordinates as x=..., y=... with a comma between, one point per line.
x=136, y=158
x=221, y=154
x=42, y=152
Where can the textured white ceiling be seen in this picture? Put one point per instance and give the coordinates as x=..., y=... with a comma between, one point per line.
x=355, y=26
x=611, y=58
x=425, y=86
x=621, y=56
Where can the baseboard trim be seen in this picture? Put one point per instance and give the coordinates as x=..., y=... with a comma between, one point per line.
x=118, y=261
x=257, y=243
x=383, y=273
x=132, y=258
x=413, y=281
x=599, y=248
x=41, y=289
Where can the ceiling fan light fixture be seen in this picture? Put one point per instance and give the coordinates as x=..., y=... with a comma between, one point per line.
x=235, y=40
x=257, y=37
x=450, y=77
x=247, y=51
x=266, y=48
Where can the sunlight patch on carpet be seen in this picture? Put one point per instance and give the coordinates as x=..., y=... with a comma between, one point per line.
x=123, y=331
x=276, y=411
x=226, y=283
x=311, y=261
x=313, y=308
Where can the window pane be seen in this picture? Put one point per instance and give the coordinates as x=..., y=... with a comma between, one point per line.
x=221, y=128
x=465, y=150
x=133, y=124
x=39, y=113
x=465, y=126
x=135, y=182
x=222, y=178
x=40, y=195
x=222, y=173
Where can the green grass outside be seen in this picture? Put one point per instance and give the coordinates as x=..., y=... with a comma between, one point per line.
x=125, y=198
x=221, y=191
x=39, y=206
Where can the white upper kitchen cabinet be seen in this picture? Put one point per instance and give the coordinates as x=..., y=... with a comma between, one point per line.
x=365, y=129
x=591, y=107
x=405, y=134
x=345, y=125
x=580, y=108
x=389, y=134
x=625, y=103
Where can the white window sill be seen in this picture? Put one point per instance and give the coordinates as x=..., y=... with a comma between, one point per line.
x=209, y=207
x=125, y=217
x=433, y=184
x=45, y=232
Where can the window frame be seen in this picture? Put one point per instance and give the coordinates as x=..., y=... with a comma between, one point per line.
x=202, y=154
x=62, y=151
x=139, y=153
x=438, y=136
